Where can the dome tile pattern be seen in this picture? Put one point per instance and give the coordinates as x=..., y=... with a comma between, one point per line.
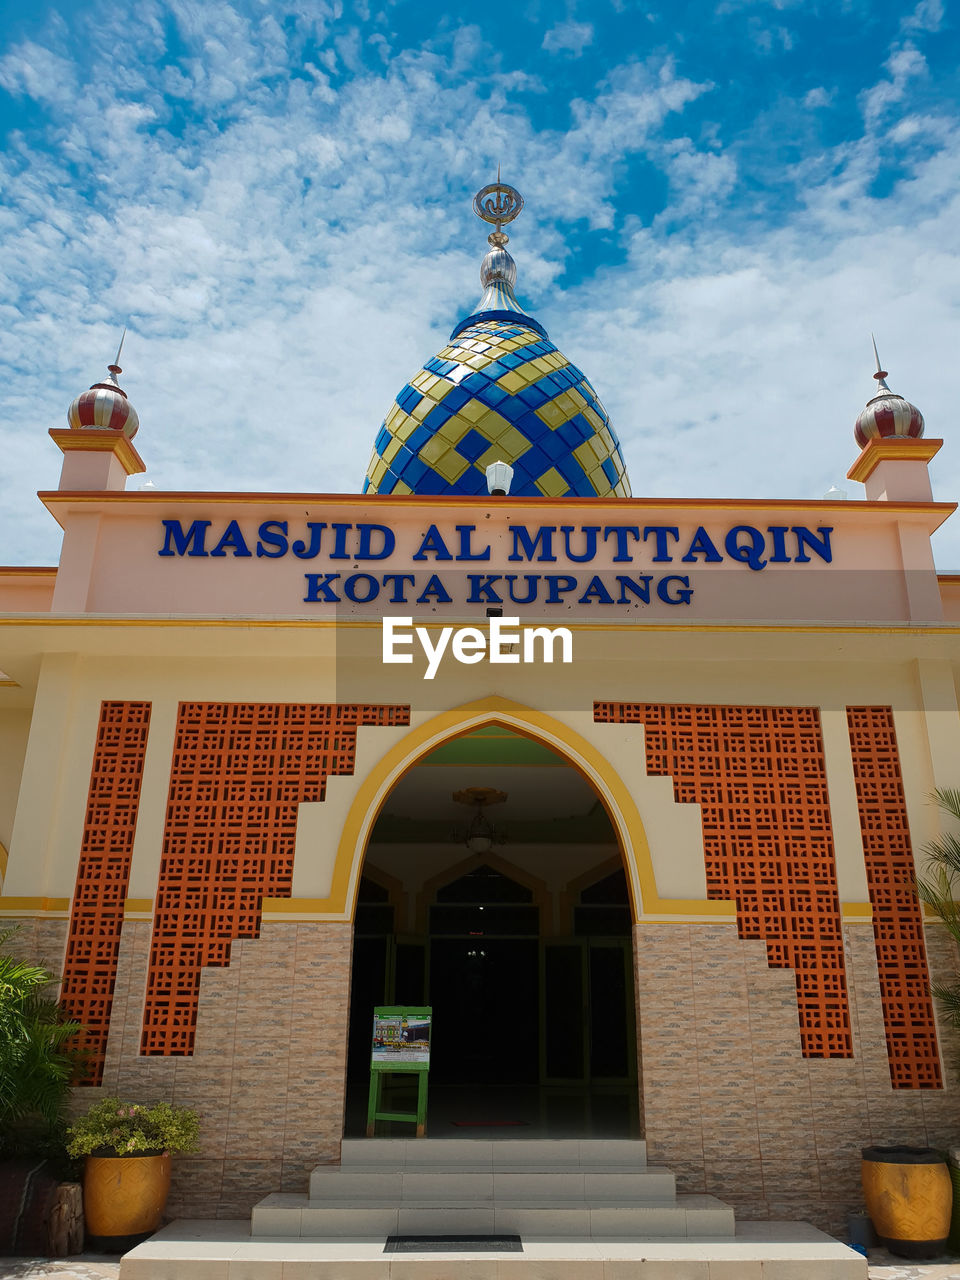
x=499, y=391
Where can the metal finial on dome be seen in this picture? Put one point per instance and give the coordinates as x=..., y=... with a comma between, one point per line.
x=114, y=369
x=498, y=203
x=881, y=374
x=887, y=415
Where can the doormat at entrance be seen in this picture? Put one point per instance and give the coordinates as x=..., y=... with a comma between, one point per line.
x=490, y=1124
x=453, y=1244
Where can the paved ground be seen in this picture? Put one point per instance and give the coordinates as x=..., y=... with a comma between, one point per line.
x=90, y=1266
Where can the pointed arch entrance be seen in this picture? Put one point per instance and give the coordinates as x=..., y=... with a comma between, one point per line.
x=524, y=949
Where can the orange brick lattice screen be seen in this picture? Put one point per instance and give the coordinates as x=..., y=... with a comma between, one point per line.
x=239, y=772
x=758, y=774
x=897, y=917
x=96, y=917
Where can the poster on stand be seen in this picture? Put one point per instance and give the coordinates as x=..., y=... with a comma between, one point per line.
x=401, y=1039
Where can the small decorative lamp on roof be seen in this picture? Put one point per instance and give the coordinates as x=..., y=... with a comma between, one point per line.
x=887, y=415
x=499, y=392
x=105, y=405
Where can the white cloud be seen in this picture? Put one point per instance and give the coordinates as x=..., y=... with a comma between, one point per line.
x=289, y=256
x=568, y=37
x=818, y=97
x=903, y=64
x=927, y=16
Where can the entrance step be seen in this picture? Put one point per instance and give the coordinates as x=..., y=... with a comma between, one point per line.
x=688, y=1216
x=551, y=1189
x=497, y=1153
x=221, y=1250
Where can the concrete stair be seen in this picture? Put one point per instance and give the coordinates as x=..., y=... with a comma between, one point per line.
x=584, y=1210
x=562, y=1189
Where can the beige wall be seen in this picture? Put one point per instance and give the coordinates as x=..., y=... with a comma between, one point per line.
x=14, y=730
x=710, y=668
x=732, y=1106
x=723, y=1078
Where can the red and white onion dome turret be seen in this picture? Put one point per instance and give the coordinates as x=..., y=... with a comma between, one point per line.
x=105, y=406
x=887, y=416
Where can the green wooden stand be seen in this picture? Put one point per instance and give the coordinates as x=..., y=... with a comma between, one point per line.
x=383, y=1068
x=373, y=1103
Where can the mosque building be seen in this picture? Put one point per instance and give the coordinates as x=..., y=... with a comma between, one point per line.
x=628, y=791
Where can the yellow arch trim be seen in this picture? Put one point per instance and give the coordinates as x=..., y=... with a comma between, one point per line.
x=580, y=754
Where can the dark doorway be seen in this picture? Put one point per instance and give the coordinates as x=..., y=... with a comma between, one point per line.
x=523, y=950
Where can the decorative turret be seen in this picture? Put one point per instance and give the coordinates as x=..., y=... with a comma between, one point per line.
x=499, y=392
x=892, y=465
x=97, y=450
x=105, y=405
x=887, y=416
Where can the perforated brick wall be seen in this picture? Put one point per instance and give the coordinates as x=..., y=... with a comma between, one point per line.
x=908, y=1015
x=103, y=874
x=758, y=774
x=239, y=771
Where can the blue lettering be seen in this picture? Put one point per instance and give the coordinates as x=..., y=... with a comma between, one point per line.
x=273, y=533
x=301, y=550
x=821, y=546
x=365, y=551
x=621, y=532
x=778, y=532
x=522, y=539
x=340, y=532
x=749, y=552
x=232, y=540
x=596, y=588
x=318, y=588
x=481, y=588
x=557, y=583
x=702, y=546
x=466, y=532
x=435, y=590
x=684, y=591
x=398, y=579
x=531, y=579
x=589, y=532
x=432, y=542
x=640, y=588
x=660, y=532
x=350, y=587
x=184, y=544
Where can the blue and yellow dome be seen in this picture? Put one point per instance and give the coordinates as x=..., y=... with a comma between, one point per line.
x=500, y=391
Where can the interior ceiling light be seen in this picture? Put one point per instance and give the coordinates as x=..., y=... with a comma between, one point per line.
x=480, y=835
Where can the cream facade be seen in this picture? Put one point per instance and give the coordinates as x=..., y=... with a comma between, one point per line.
x=181, y=623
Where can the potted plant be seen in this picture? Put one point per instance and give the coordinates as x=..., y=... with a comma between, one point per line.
x=127, y=1170
x=40, y=1203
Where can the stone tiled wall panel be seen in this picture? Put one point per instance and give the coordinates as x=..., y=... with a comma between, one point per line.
x=731, y=1102
x=267, y=1074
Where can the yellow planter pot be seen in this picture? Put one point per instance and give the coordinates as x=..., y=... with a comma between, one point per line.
x=125, y=1196
x=909, y=1196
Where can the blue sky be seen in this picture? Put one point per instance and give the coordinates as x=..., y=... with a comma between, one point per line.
x=723, y=200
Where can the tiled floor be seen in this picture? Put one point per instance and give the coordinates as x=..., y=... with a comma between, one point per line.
x=883, y=1266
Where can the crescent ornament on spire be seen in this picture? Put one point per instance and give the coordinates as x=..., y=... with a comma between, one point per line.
x=497, y=203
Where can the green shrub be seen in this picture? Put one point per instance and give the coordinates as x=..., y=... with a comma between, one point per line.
x=36, y=1063
x=115, y=1128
